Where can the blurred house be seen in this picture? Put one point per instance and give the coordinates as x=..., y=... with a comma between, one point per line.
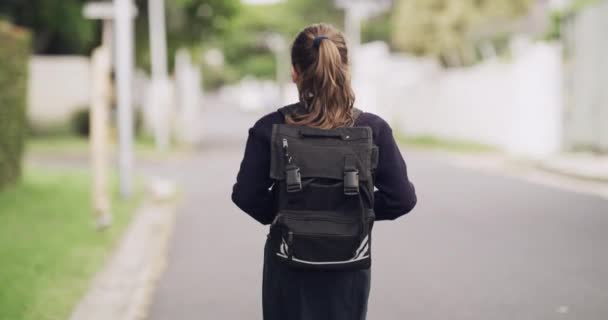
x=58, y=87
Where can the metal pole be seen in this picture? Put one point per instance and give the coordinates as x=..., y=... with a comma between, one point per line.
x=158, y=39
x=107, y=35
x=278, y=45
x=124, y=73
x=160, y=86
x=282, y=72
x=352, y=26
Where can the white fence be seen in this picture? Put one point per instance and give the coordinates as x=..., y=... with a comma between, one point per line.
x=587, y=102
x=513, y=105
x=58, y=86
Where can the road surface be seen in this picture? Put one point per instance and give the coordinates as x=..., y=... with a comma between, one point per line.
x=477, y=246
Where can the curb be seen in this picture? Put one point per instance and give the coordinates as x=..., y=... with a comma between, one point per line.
x=122, y=290
x=571, y=173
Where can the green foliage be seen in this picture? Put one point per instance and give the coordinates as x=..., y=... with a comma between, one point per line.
x=558, y=17
x=58, y=26
x=245, y=44
x=452, y=145
x=14, y=53
x=79, y=122
x=301, y=13
x=555, y=26
x=578, y=5
x=49, y=247
x=245, y=40
x=190, y=23
x=446, y=28
x=377, y=29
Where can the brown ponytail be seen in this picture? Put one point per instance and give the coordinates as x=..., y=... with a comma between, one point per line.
x=320, y=58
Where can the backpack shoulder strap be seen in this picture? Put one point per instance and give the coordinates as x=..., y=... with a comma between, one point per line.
x=297, y=108
x=356, y=113
x=291, y=109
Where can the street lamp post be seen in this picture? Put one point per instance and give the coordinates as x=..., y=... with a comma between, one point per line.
x=118, y=37
x=158, y=38
x=160, y=88
x=101, y=64
x=124, y=14
x=278, y=45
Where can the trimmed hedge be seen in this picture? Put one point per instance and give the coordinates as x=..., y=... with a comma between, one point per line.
x=14, y=58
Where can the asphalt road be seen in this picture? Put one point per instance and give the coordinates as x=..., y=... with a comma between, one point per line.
x=477, y=246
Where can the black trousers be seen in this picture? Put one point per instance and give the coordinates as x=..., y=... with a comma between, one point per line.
x=290, y=294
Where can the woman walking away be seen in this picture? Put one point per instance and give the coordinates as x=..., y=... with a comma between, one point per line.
x=320, y=172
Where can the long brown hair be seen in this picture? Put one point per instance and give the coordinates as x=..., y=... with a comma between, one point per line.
x=320, y=58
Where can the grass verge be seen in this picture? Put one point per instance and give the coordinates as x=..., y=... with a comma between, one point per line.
x=49, y=249
x=453, y=145
x=79, y=146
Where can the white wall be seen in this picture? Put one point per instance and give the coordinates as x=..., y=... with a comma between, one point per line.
x=538, y=109
x=58, y=86
x=515, y=106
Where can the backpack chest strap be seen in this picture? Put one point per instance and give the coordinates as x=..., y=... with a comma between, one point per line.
x=293, y=178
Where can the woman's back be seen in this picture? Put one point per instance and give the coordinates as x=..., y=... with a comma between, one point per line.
x=394, y=198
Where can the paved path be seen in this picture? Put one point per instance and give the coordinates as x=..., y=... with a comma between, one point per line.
x=478, y=246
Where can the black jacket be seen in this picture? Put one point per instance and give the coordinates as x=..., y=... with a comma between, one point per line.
x=304, y=295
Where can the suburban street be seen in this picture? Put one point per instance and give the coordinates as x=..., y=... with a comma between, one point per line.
x=479, y=245
x=123, y=124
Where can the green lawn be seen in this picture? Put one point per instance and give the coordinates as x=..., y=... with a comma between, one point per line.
x=453, y=145
x=49, y=248
x=75, y=145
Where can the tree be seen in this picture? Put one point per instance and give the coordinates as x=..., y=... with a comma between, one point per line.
x=245, y=42
x=446, y=29
x=305, y=12
x=14, y=53
x=190, y=23
x=58, y=25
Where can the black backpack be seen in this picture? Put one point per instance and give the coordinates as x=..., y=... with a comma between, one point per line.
x=323, y=187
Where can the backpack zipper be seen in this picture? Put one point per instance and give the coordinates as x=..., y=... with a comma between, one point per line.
x=322, y=218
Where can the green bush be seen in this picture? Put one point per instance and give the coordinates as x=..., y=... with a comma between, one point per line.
x=14, y=57
x=79, y=122
x=377, y=29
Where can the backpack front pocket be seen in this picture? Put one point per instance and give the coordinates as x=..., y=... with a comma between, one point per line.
x=319, y=223
x=321, y=241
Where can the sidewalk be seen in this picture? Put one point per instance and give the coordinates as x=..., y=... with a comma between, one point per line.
x=122, y=289
x=584, y=166
x=581, y=173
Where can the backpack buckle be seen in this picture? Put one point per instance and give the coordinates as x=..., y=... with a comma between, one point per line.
x=351, y=182
x=293, y=179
